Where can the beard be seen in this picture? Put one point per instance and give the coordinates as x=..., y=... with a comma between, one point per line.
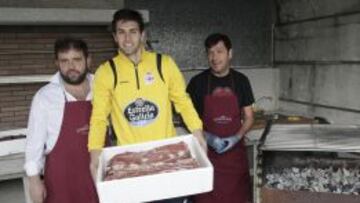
x=74, y=79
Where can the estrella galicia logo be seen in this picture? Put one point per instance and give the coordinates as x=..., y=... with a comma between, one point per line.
x=141, y=112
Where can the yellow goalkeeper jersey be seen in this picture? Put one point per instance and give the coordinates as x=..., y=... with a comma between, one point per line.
x=140, y=103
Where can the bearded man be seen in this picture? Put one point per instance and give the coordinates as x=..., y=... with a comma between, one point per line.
x=57, y=159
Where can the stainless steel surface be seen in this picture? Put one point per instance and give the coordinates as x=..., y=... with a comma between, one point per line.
x=340, y=138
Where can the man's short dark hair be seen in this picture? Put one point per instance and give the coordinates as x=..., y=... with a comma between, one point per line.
x=127, y=15
x=67, y=43
x=215, y=38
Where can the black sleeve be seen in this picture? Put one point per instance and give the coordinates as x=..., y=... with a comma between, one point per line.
x=194, y=95
x=246, y=93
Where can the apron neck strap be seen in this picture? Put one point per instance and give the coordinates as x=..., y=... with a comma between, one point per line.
x=65, y=98
x=209, y=83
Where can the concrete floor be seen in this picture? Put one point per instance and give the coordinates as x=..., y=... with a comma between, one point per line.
x=11, y=191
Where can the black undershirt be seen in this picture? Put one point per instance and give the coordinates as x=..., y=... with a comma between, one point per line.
x=198, y=88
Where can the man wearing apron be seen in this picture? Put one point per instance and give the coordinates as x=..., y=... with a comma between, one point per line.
x=58, y=130
x=224, y=97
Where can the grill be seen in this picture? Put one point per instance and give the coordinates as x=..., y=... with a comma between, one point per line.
x=309, y=164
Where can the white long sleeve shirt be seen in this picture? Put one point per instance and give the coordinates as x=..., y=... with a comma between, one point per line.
x=45, y=120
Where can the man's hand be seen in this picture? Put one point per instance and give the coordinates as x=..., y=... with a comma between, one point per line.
x=37, y=189
x=94, y=163
x=215, y=142
x=200, y=137
x=230, y=142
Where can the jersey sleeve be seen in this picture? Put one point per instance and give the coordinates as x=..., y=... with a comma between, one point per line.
x=102, y=97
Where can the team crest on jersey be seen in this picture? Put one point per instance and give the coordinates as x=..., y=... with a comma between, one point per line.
x=141, y=112
x=149, y=78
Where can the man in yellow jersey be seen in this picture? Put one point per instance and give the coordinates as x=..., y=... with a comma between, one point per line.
x=136, y=93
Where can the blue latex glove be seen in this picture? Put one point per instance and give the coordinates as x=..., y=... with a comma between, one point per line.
x=230, y=142
x=214, y=142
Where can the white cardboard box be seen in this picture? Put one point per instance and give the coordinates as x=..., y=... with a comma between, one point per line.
x=158, y=186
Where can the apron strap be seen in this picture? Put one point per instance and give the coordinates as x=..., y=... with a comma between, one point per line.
x=232, y=81
x=209, y=84
x=65, y=98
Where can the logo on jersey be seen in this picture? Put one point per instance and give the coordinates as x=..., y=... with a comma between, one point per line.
x=141, y=112
x=149, y=78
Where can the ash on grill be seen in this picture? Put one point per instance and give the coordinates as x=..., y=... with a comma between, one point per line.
x=315, y=172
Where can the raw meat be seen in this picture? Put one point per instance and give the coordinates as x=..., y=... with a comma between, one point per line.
x=162, y=159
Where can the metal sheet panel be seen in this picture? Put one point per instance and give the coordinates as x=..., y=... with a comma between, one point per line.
x=338, y=138
x=283, y=196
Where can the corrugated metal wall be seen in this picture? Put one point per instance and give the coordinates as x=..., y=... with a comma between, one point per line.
x=318, y=53
x=95, y=4
x=180, y=28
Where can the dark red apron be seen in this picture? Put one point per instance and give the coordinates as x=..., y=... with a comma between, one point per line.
x=67, y=174
x=222, y=117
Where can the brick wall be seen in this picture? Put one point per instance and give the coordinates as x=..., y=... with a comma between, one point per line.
x=15, y=103
x=28, y=50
